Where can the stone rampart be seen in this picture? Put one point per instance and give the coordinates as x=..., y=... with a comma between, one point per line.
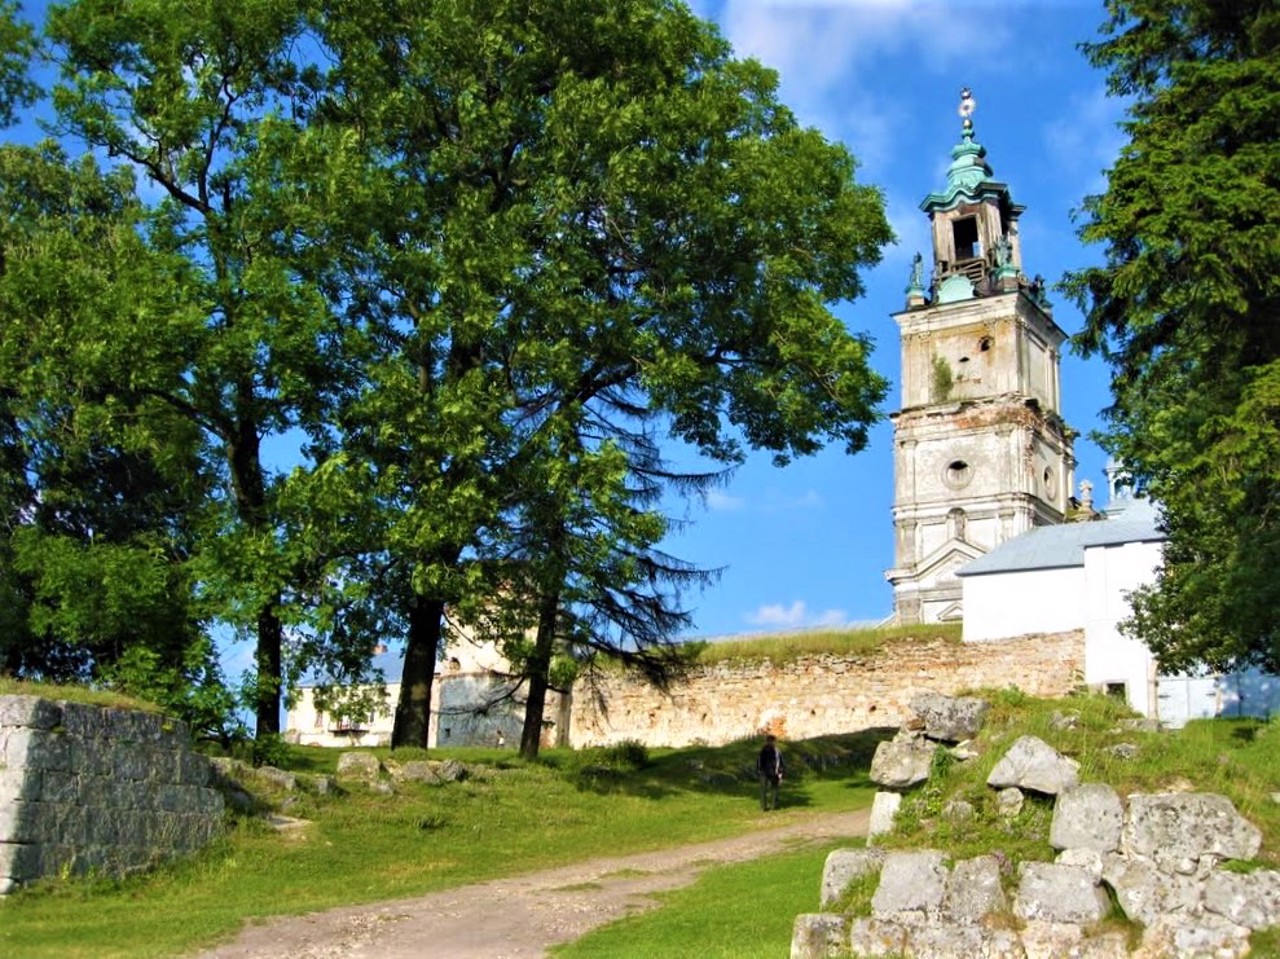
x=822, y=694
x=90, y=789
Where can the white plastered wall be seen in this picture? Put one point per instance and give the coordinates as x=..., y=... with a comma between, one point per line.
x=1017, y=603
x=1111, y=574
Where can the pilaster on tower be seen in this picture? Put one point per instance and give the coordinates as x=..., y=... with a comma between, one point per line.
x=981, y=453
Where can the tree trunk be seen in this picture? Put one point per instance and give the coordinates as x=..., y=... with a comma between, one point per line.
x=413, y=711
x=267, y=659
x=539, y=675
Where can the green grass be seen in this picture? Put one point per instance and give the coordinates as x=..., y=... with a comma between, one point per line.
x=514, y=816
x=510, y=817
x=744, y=911
x=74, y=694
x=788, y=647
x=747, y=910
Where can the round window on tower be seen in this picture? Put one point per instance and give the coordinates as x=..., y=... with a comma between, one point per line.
x=1050, y=483
x=957, y=474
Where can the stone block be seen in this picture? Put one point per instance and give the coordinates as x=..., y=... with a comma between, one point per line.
x=1145, y=892
x=38, y=749
x=950, y=718
x=819, y=936
x=884, y=808
x=1009, y=802
x=33, y=711
x=416, y=770
x=21, y=782
x=903, y=762
x=1062, y=940
x=1251, y=900
x=911, y=882
x=1087, y=816
x=1209, y=935
x=949, y=940
x=1174, y=826
x=1089, y=859
x=880, y=937
x=131, y=762
x=1031, y=763
x=353, y=765
x=1056, y=893
x=974, y=890
x=843, y=868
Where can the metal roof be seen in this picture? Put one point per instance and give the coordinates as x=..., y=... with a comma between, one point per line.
x=1059, y=547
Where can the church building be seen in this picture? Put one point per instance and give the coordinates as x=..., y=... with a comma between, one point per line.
x=981, y=453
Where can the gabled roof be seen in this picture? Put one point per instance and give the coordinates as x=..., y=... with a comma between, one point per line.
x=1062, y=547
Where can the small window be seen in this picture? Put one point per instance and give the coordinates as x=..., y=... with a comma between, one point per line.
x=965, y=231
x=1117, y=690
x=957, y=474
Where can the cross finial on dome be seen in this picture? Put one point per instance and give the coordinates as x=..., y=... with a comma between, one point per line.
x=967, y=105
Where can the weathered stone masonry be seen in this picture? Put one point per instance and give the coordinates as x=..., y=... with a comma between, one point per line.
x=820, y=695
x=86, y=788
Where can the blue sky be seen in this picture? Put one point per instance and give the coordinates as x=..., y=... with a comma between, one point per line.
x=807, y=545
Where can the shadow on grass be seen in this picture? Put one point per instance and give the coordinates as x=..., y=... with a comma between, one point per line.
x=728, y=770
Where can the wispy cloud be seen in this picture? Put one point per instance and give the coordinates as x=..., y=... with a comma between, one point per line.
x=794, y=616
x=720, y=501
x=1085, y=138
x=778, y=502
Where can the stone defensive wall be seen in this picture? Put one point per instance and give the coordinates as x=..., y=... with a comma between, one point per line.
x=90, y=789
x=822, y=694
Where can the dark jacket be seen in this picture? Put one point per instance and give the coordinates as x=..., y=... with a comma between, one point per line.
x=769, y=762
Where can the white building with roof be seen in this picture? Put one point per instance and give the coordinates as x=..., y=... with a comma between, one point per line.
x=1079, y=576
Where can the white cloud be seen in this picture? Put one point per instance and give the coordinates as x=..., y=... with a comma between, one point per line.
x=794, y=616
x=809, y=499
x=1086, y=138
x=722, y=501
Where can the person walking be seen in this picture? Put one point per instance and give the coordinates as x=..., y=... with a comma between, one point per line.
x=769, y=768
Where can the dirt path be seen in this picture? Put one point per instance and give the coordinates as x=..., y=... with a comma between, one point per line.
x=519, y=918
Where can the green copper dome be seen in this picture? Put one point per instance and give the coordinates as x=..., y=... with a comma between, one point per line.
x=968, y=177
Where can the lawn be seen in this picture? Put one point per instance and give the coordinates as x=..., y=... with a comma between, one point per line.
x=508, y=817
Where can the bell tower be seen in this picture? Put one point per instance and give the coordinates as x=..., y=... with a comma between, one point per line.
x=981, y=453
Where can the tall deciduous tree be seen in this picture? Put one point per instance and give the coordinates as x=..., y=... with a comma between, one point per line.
x=206, y=101
x=579, y=203
x=1186, y=308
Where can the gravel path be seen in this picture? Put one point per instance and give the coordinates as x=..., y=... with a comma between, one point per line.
x=520, y=917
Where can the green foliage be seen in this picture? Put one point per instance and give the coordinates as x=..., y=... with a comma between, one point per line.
x=17, y=46
x=1185, y=309
x=943, y=380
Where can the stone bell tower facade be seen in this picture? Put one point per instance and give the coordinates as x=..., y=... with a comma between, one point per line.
x=981, y=453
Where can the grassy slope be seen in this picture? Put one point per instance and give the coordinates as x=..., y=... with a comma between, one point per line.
x=511, y=817
x=748, y=910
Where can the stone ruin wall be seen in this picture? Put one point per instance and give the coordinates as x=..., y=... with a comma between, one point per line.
x=820, y=695
x=89, y=789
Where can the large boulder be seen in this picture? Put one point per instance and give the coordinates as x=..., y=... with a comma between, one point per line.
x=843, y=868
x=1172, y=827
x=1146, y=893
x=362, y=766
x=912, y=884
x=1089, y=816
x=974, y=890
x=950, y=718
x=820, y=935
x=1058, y=893
x=902, y=761
x=1032, y=763
x=1251, y=900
